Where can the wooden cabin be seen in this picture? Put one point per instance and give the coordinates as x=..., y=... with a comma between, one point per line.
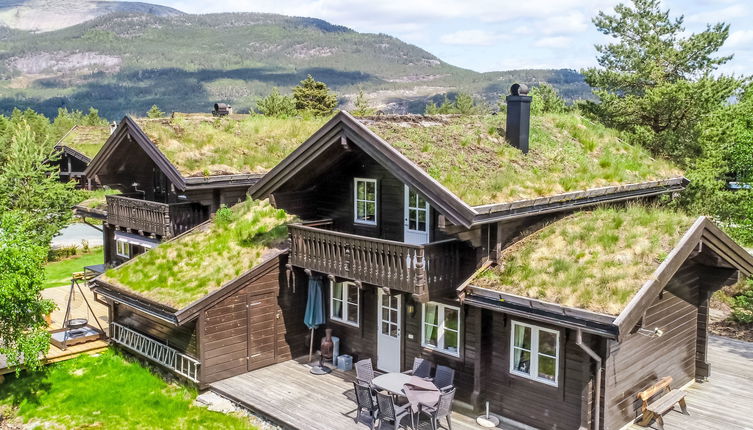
x=76, y=149
x=173, y=173
x=429, y=235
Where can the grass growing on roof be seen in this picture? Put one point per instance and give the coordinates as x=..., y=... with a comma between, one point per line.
x=181, y=271
x=86, y=139
x=595, y=260
x=469, y=156
x=202, y=146
x=95, y=199
x=109, y=391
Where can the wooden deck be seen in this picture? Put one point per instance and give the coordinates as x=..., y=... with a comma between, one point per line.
x=725, y=402
x=290, y=396
x=294, y=398
x=60, y=296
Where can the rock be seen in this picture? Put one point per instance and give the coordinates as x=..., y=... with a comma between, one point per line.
x=215, y=402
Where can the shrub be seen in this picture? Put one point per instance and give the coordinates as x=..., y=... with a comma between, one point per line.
x=277, y=105
x=742, y=305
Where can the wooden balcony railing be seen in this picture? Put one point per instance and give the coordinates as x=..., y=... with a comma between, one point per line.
x=163, y=219
x=396, y=265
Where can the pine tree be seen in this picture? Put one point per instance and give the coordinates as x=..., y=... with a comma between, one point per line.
x=155, y=112
x=362, y=107
x=314, y=97
x=654, y=81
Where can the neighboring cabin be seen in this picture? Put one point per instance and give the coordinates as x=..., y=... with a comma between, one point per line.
x=173, y=173
x=547, y=279
x=77, y=148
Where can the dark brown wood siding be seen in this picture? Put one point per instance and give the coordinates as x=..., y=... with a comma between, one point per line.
x=258, y=324
x=182, y=338
x=331, y=196
x=639, y=360
x=526, y=401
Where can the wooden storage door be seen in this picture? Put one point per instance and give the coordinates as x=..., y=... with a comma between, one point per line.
x=262, y=330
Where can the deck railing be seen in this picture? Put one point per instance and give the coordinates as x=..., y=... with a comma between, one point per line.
x=385, y=263
x=156, y=351
x=163, y=219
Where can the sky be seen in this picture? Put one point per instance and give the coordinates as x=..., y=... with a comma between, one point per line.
x=487, y=35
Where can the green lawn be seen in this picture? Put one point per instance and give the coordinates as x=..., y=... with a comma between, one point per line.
x=59, y=272
x=110, y=391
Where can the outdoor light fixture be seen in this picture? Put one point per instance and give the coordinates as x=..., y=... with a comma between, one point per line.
x=410, y=307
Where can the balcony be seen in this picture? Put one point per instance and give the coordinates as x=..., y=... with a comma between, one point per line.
x=414, y=269
x=161, y=219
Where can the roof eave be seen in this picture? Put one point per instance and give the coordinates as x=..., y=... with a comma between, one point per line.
x=562, y=202
x=539, y=310
x=134, y=300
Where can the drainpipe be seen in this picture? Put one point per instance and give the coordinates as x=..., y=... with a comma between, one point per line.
x=597, y=388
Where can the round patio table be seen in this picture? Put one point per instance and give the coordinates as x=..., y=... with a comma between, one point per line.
x=392, y=382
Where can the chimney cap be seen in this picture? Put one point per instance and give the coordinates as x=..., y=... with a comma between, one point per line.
x=519, y=90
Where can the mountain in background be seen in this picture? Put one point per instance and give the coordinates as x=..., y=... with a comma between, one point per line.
x=124, y=63
x=46, y=15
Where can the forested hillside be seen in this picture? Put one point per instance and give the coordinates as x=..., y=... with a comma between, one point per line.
x=124, y=63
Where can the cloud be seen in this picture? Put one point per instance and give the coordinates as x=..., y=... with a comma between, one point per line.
x=725, y=14
x=471, y=37
x=553, y=42
x=741, y=39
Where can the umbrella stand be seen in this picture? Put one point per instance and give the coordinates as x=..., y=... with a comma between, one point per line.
x=311, y=346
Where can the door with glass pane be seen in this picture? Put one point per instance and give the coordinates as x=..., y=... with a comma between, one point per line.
x=388, y=332
x=416, y=219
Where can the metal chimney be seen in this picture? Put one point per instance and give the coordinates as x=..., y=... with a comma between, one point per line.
x=518, y=117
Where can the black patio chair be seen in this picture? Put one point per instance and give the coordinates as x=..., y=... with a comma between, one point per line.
x=391, y=414
x=365, y=402
x=443, y=409
x=421, y=368
x=444, y=378
x=365, y=371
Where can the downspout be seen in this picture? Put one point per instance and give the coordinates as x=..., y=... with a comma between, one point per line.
x=597, y=388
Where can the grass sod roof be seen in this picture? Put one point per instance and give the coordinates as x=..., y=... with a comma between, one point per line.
x=204, y=145
x=595, y=260
x=181, y=271
x=86, y=139
x=470, y=157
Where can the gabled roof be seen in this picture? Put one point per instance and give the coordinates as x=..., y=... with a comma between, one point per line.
x=407, y=160
x=196, y=151
x=548, y=273
x=83, y=141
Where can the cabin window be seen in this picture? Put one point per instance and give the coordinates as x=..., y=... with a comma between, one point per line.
x=122, y=248
x=365, y=201
x=441, y=328
x=344, y=302
x=534, y=352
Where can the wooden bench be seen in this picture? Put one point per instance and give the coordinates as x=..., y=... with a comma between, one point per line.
x=666, y=401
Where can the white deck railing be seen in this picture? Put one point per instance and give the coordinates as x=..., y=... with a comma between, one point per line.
x=156, y=351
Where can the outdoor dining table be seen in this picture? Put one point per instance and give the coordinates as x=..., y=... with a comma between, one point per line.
x=417, y=390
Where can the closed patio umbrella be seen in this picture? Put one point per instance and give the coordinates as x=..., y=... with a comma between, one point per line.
x=314, y=316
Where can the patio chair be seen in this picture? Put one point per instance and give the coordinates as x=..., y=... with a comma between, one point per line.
x=421, y=368
x=443, y=409
x=389, y=413
x=444, y=378
x=365, y=402
x=365, y=371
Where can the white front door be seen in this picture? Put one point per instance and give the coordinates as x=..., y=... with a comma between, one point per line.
x=388, y=332
x=416, y=218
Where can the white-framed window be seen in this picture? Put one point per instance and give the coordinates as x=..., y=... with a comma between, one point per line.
x=534, y=352
x=440, y=328
x=122, y=248
x=365, y=201
x=343, y=302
